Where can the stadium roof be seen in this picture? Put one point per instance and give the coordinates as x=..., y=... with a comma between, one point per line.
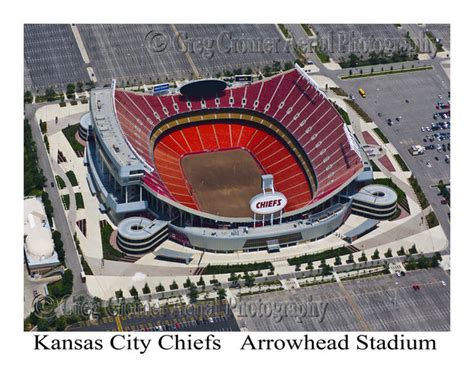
x=203, y=88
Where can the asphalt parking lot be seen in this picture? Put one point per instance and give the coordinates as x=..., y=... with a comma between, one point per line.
x=382, y=303
x=123, y=52
x=233, y=46
x=343, y=39
x=441, y=31
x=387, y=95
x=196, y=317
x=133, y=53
x=52, y=58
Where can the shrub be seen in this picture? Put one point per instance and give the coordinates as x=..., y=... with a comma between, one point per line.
x=327, y=254
x=133, y=292
x=241, y=267
x=419, y=192
x=72, y=178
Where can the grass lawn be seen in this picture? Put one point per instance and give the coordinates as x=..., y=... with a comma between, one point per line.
x=343, y=113
x=108, y=250
x=432, y=220
x=419, y=192
x=66, y=201
x=401, y=162
x=60, y=182
x=381, y=135
x=374, y=166
x=70, y=134
x=387, y=72
x=358, y=110
x=72, y=178
x=331, y=253
x=227, y=269
x=79, y=200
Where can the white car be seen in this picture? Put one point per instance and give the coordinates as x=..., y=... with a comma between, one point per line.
x=443, y=283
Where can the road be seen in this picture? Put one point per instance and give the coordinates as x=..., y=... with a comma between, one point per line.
x=60, y=219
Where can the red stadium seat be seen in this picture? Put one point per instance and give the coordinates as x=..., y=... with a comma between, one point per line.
x=290, y=98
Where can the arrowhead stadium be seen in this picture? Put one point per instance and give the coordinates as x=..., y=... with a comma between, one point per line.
x=223, y=168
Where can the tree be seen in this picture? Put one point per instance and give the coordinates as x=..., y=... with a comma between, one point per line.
x=267, y=71
x=353, y=60
x=174, y=285
x=60, y=323
x=376, y=254
x=413, y=249
x=337, y=261
x=28, y=97
x=373, y=59
x=193, y=293
x=276, y=66
x=119, y=294
x=221, y=293
x=201, y=282
x=410, y=263
x=434, y=262
x=326, y=270
x=234, y=279
x=160, y=288
x=188, y=283
x=146, y=289
x=133, y=291
x=423, y=262
x=249, y=279
x=309, y=266
x=43, y=325
x=71, y=88
x=50, y=94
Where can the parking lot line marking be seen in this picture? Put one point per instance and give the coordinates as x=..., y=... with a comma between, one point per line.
x=118, y=322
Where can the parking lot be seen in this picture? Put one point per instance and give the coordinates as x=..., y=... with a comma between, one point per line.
x=149, y=53
x=179, y=318
x=52, y=58
x=234, y=46
x=382, y=303
x=413, y=98
x=361, y=39
x=441, y=31
x=123, y=52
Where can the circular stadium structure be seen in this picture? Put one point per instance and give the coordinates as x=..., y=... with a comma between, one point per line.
x=195, y=159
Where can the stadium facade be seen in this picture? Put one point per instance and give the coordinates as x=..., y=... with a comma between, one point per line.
x=137, y=142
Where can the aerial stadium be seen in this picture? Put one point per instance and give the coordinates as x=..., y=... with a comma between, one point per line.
x=219, y=167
